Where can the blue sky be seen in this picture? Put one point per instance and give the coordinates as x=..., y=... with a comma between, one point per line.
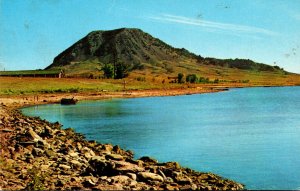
x=33, y=32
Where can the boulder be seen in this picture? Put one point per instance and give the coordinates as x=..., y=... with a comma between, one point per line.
x=64, y=167
x=99, y=166
x=131, y=175
x=79, y=146
x=122, y=179
x=44, y=167
x=126, y=167
x=117, y=149
x=182, y=179
x=60, y=183
x=73, y=154
x=76, y=164
x=37, y=152
x=50, y=153
x=36, y=138
x=172, y=165
x=88, y=183
x=148, y=160
x=87, y=152
x=148, y=176
x=114, y=157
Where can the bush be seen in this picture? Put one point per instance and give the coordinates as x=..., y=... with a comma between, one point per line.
x=141, y=79
x=36, y=179
x=108, y=70
x=191, y=78
x=180, y=78
x=121, y=70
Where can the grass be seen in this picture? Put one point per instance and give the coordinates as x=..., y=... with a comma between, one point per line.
x=13, y=85
x=152, y=78
x=17, y=86
x=28, y=72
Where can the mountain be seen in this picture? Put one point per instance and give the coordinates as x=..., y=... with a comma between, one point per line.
x=126, y=45
x=139, y=50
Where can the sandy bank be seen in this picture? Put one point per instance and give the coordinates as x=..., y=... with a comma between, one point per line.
x=17, y=101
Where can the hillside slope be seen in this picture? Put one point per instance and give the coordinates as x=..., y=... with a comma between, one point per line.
x=131, y=46
x=151, y=58
x=135, y=47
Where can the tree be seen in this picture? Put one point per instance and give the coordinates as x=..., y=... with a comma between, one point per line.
x=121, y=70
x=108, y=70
x=180, y=78
x=192, y=78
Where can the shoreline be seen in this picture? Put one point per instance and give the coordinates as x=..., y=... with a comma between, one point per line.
x=19, y=101
x=37, y=154
x=26, y=100
x=50, y=157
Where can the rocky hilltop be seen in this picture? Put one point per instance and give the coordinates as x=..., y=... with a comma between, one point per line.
x=138, y=49
x=130, y=46
x=36, y=154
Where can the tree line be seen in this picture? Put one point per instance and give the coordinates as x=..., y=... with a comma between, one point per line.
x=193, y=78
x=116, y=71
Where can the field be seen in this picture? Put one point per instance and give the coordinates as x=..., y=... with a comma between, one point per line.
x=17, y=86
x=141, y=80
x=152, y=76
x=30, y=73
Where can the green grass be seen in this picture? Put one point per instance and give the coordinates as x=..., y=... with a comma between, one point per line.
x=28, y=72
x=152, y=78
x=17, y=86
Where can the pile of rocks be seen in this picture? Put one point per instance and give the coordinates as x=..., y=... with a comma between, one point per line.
x=36, y=154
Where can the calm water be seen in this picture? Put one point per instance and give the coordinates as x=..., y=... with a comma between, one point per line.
x=250, y=135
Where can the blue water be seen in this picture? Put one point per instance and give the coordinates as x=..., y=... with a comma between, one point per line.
x=250, y=135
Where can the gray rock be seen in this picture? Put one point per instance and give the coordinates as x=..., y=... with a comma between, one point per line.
x=88, y=183
x=149, y=160
x=7, y=130
x=36, y=138
x=114, y=157
x=49, y=153
x=44, y=167
x=99, y=166
x=60, y=133
x=79, y=146
x=37, y=152
x=148, y=176
x=64, y=167
x=182, y=179
x=73, y=154
x=28, y=157
x=126, y=167
x=60, y=183
x=131, y=175
x=122, y=179
x=87, y=152
x=76, y=164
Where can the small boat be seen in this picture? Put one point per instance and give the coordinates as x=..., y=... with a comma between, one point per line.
x=68, y=101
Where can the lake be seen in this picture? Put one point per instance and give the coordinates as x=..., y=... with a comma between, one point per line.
x=250, y=135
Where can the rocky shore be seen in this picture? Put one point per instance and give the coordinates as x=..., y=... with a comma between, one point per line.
x=36, y=154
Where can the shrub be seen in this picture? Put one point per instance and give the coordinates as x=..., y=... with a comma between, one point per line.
x=36, y=179
x=121, y=70
x=108, y=70
x=192, y=78
x=141, y=79
x=180, y=78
